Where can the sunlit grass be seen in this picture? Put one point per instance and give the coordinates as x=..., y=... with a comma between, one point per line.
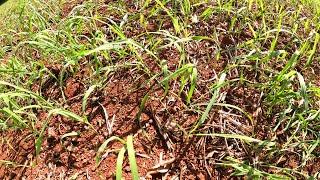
x=5, y=7
x=266, y=45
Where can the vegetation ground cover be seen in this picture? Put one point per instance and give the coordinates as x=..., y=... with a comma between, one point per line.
x=5, y=6
x=171, y=89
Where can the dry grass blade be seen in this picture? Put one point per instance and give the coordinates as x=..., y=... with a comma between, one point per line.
x=237, y=108
x=303, y=90
x=70, y=134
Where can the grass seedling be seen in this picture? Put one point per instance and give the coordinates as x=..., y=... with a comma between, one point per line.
x=175, y=20
x=128, y=146
x=260, y=119
x=312, y=52
x=86, y=96
x=216, y=92
x=244, y=169
x=186, y=73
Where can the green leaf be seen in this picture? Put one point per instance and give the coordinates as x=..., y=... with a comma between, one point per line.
x=194, y=77
x=67, y=114
x=165, y=71
x=86, y=96
x=132, y=158
x=40, y=137
x=15, y=117
x=104, y=145
x=119, y=163
x=212, y=101
x=233, y=136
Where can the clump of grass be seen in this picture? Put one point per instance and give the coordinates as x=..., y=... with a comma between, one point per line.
x=269, y=46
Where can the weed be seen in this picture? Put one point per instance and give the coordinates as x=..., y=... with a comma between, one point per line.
x=232, y=84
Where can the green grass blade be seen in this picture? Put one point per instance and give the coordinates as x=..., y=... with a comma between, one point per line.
x=32, y=94
x=86, y=96
x=275, y=40
x=15, y=117
x=104, y=47
x=194, y=76
x=212, y=101
x=132, y=158
x=165, y=72
x=67, y=114
x=175, y=20
x=314, y=49
x=104, y=145
x=119, y=163
x=116, y=29
x=40, y=137
x=178, y=72
x=232, y=136
x=183, y=81
x=142, y=106
x=186, y=6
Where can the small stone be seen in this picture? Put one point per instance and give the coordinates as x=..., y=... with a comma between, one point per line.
x=51, y=132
